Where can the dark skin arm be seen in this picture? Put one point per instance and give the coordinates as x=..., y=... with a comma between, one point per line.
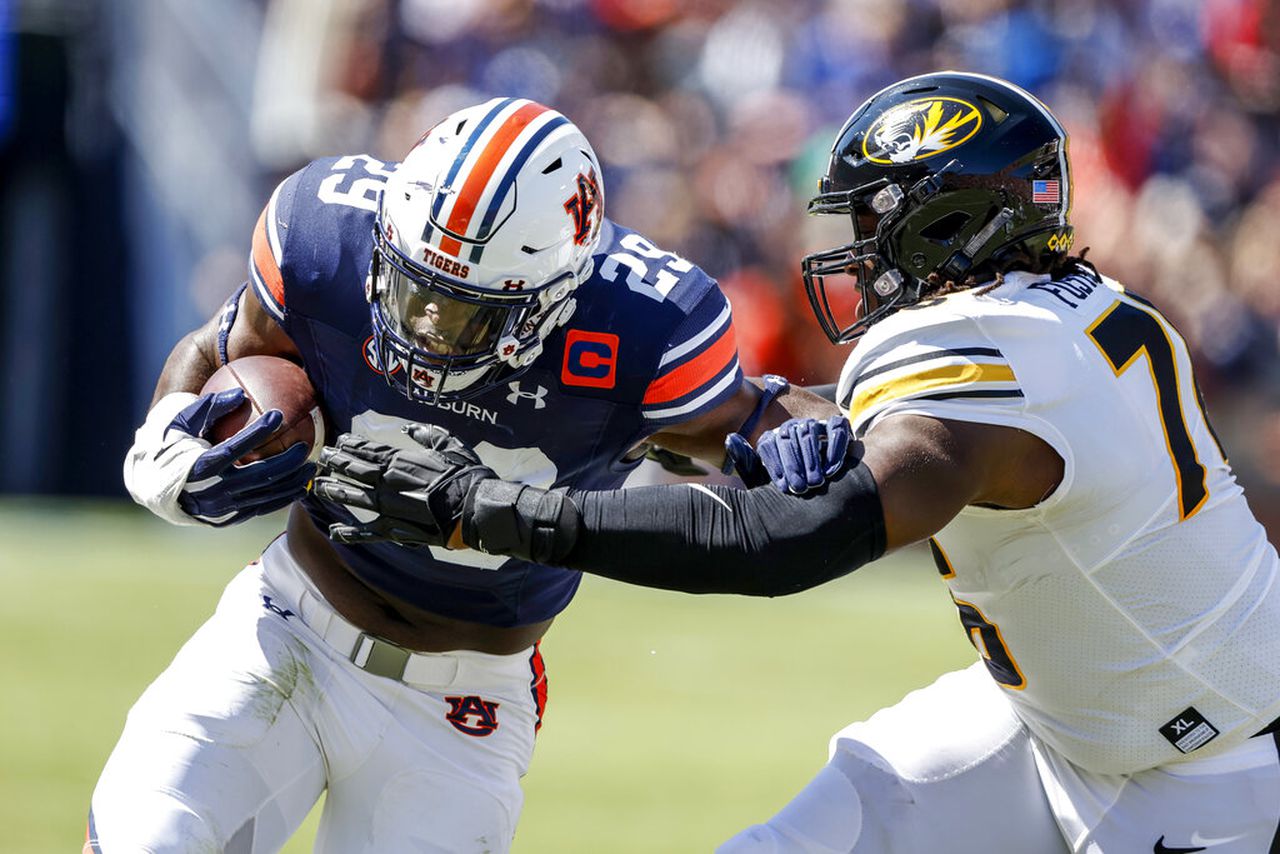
x=703, y=438
x=928, y=470
x=913, y=476
x=195, y=358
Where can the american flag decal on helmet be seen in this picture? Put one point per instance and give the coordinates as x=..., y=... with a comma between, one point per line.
x=1047, y=192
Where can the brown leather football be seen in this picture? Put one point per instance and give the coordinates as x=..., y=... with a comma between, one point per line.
x=269, y=382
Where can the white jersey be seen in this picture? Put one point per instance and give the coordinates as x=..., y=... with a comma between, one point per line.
x=1133, y=616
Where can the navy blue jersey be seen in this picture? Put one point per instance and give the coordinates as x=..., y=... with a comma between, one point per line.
x=651, y=344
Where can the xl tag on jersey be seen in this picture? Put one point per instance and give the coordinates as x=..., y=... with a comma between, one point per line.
x=1189, y=730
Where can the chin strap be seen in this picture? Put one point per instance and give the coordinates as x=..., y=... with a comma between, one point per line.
x=774, y=385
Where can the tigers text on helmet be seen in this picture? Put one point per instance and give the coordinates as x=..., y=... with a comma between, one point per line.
x=482, y=235
x=951, y=174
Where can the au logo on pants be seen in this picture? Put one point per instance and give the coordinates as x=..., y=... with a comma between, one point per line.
x=472, y=715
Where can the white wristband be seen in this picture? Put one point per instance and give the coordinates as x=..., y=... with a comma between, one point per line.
x=157, y=466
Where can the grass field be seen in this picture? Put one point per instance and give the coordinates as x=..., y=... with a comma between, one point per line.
x=673, y=720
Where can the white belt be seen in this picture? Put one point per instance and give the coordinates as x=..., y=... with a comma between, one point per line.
x=370, y=653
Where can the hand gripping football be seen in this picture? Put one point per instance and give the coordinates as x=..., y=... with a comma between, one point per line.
x=270, y=382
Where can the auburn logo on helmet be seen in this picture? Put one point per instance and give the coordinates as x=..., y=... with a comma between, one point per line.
x=472, y=715
x=582, y=207
x=919, y=129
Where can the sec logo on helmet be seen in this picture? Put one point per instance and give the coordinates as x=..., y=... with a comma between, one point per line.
x=920, y=129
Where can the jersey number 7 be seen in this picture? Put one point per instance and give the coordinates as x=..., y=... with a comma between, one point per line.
x=1123, y=333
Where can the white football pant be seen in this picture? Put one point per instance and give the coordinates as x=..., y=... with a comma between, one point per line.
x=229, y=749
x=951, y=768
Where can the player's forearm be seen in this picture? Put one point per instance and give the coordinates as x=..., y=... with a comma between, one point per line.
x=795, y=402
x=759, y=542
x=704, y=439
x=191, y=362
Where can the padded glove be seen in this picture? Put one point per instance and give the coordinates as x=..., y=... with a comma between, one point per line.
x=801, y=454
x=418, y=493
x=174, y=471
x=745, y=460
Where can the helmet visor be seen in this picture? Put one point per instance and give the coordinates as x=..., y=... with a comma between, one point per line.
x=441, y=324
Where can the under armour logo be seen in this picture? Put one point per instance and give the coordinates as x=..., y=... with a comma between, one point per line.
x=518, y=394
x=274, y=608
x=472, y=715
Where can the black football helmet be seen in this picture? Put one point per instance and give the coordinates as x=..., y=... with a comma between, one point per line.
x=955, y=174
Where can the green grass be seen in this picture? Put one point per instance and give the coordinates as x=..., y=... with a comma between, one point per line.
x=673, y=720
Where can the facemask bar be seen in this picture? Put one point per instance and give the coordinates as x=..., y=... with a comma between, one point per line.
x=874, y=272
x=425, y=374
x=860, y=259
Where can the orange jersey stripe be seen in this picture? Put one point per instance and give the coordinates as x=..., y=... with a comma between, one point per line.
x=268, y=269
x=465, y=207
x=694, y=372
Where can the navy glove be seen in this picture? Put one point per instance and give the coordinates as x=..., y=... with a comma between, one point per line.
x=804, y=453
x=418, y=493
x=745, y=460
x=217, y=491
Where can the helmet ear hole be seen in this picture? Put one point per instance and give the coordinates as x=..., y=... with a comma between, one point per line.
x=944, y=229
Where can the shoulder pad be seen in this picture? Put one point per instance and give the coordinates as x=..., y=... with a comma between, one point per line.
x=674, y=325
x=929, y=353
x=314, y=233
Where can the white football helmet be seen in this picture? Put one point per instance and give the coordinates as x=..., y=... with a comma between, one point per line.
x=483, y=233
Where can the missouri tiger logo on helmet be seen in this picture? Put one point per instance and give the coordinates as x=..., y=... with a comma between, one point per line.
x=922, y=128
x=943, y=177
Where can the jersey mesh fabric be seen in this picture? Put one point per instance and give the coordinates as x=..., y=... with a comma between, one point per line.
x=1117, y=613
x=569, y=420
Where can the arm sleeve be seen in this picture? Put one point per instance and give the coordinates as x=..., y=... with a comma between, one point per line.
x=711, y=539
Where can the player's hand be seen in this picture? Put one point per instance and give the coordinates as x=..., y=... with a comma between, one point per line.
x=218, y=492
x=803, y=453
x=746, y=462
x=174, y=471
x=418, y=493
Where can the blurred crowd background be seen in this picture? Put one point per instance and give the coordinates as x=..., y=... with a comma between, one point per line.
x=140, y=138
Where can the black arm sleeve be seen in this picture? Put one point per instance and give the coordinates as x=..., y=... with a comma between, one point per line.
x=712, y=539
x=694, y=538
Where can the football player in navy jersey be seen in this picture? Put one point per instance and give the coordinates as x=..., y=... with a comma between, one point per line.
x=478, y=287
x=1040, y=426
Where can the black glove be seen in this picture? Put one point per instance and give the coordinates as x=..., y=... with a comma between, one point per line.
x=418, y=493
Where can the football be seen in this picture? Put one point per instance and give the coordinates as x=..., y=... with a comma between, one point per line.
x=269, y=382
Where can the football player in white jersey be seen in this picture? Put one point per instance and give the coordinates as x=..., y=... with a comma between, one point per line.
x=1041, y=428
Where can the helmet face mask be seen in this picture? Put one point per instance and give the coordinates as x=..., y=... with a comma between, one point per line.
x=945, y=177
x=481, y=237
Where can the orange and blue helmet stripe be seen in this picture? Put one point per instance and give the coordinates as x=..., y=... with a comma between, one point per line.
x=512, y=125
